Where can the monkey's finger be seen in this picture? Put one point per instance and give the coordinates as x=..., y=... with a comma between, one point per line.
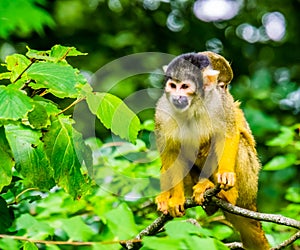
x=198, y=198
x=223, y=179
x=163, y=207
x=231, y=179
x=177, y=211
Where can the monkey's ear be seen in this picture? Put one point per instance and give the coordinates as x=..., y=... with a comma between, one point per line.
x=165, y=67
x=221, y=64
x=210, y=76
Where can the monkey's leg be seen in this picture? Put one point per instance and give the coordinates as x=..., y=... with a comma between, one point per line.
x=252, y=235
x=172, y=198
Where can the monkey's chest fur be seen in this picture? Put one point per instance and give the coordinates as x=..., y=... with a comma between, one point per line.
x=193, y=139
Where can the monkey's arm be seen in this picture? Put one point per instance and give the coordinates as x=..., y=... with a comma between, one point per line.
x=225, y=175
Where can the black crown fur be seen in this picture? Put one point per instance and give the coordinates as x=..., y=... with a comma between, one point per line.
x=187, y=66
x=200, y=61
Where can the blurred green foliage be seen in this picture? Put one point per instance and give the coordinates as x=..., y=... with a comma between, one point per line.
x=266, y=82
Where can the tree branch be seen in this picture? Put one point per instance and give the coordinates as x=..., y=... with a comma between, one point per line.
x=287, y=242
x=210, y=197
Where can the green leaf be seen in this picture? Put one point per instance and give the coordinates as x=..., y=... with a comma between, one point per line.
x=14, y=104
x=23, y=17
x=193, y=242
x=16, y=63
x=38, y=54
x=155, y=243
x=50, y=106
x=38, y=117
x=261, y=83
x=261, y=123
x=114, y=114
x=62, y=80
x=29, y=246
x=60, y=52
x=285, y=138
x=28, y=152
x=179, y=229
x=5, y=216
x=11, y=244
x=117, y=218
x=77, y=229
x=281, y=162
x=148, y=125
x=5, y=75
x=6, y=162
x=66, y=151
x=34, y=228
x=56, y=54
x=293, y=194
x=221, y=231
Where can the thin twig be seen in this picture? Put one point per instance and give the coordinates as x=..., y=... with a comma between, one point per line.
x=71, y=105
x=73, y=243
x=287, y=242
x=275, y=218
x=19, y=76
x=23, y=192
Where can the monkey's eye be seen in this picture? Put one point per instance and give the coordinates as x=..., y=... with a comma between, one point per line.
x=172, y=85
x=184, y=86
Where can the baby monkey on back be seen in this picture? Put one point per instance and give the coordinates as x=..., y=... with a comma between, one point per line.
x=204, y=140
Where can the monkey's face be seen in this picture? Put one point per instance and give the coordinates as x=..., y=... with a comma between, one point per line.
x=180, y=93
x=189, y=76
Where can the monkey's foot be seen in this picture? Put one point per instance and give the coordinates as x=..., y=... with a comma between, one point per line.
x=162, y=201
x=199, y=190
x=176, y=206
x=173, y=205
x=226, y=179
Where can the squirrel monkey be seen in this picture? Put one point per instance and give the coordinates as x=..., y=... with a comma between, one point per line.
x=204, y=140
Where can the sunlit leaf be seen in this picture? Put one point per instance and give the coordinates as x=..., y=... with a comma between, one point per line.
x=283, y=139
x=16, y=63
x=6, y=162
x=176, y=229
x=56, y=54
x=281, y=162
x=61, y=80
x=82, y=232
x=14, y=104
x=34, y=228
x=23, y=17
x=29, y=246
x=50, y=106
x=117, y=218
x=153, y=243
x=28, y=152
x=66, y=151
x=60, y=52
x=293, y=194
x=114, y=114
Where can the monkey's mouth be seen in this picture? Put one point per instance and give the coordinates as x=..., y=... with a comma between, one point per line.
x=180, y=102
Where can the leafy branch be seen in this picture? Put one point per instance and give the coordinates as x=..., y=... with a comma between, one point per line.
x=52, y=151
x=210, y=197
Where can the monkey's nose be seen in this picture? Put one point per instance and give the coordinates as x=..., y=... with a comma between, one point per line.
x=180, y=102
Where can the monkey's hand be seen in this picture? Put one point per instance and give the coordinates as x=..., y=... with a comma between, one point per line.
x=173, y=205
x=199, y=190
x=226, y=180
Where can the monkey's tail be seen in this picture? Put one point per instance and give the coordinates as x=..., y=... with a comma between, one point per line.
x=252, y=235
